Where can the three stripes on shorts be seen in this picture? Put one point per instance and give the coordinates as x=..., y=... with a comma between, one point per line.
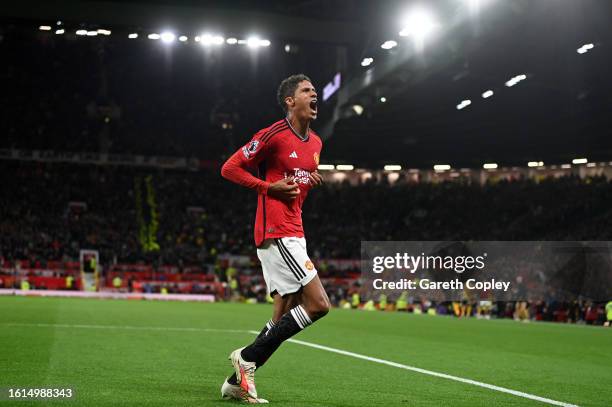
x=293, y=265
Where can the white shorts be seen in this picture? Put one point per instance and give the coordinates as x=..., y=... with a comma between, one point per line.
x=286, y=265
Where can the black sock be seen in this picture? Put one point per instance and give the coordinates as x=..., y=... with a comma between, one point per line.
x=233, y=379
x=264, y=346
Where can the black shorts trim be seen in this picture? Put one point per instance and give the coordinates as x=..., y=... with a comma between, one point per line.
x=290, y=258
x=291, y=266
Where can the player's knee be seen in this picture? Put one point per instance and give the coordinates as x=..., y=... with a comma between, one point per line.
x=324, y=309
x=319, y=308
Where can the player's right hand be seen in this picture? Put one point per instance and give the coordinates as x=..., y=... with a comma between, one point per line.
x=285, y=189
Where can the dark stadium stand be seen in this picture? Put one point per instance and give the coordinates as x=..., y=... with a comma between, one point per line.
x=200, y=212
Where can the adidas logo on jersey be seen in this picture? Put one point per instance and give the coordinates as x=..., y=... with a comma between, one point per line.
x=293, y=155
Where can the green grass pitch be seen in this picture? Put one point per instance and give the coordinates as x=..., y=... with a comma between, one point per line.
x=131, y=364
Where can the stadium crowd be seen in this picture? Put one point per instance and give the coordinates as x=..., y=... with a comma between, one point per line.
x=52, y=210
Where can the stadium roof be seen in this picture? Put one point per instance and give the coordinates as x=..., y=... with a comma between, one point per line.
x=419, y=107
x=559, y=110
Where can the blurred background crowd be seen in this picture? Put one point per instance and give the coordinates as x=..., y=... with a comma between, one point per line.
x=52, y=211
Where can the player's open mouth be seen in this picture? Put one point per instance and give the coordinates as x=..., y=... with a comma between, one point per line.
x=313, y=106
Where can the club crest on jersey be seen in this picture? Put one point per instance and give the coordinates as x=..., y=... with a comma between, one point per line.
x=316, y=158
x=309, y=265
x=249, y=150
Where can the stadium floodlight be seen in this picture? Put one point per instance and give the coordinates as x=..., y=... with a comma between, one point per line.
x=490, y=166
x=81, y=32
x=358, y=109
x=585, y=48
x=183, y=38
x=206, y=39
x=344, y=167
x=154, y=36
x=132, y=36
x=104, y=32
x=566, y=166
x=591, y=165
x=383, y=99
x=389, y=44
x=209, y=39
x=580, y=161
x=367, y=61
x=441, y=167
x=167, y=37
x=45, y=28
x=232, y=41
x=326, y=167
x=253, y=42
x=535, y=164
x=516, y=79
x=464, y=104
x=392, y=167
x=60, y=31
x=418, y=24
x=487, y=94
x=92, y=33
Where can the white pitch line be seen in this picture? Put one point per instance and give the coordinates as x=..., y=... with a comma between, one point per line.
x=320, y=347
x=432, y=373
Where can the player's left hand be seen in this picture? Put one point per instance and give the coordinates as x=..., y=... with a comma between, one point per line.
x=316, y=179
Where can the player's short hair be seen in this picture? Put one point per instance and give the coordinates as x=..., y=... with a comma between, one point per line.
x=287, y=88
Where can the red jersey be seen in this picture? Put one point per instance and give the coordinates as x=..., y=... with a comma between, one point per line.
x=276, y=152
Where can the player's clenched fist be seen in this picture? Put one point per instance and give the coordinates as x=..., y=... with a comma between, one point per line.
x=285, y=189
